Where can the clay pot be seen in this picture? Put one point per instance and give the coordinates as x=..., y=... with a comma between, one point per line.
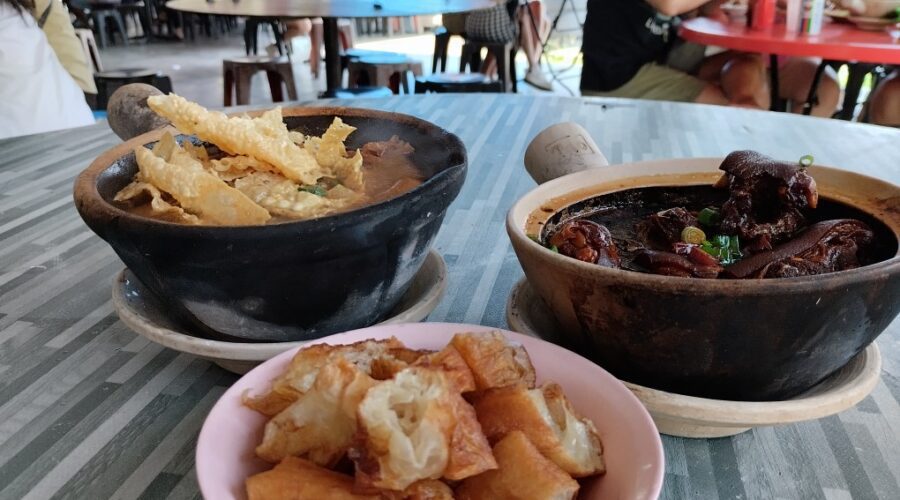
x=725, y=339
x=289, y=281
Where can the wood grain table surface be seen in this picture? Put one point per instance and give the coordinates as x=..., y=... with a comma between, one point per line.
x=90, y=410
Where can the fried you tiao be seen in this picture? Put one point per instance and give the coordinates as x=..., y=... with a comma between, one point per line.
x=524, y=474
x=494, y=360
x=470, y=453
x=305, y=366
x=405, y=428
x=298, y=479
x=320, y=424
x=451, y=362
x=265, y=138
x=428, y=489
x=174, y=171
x=548, y=419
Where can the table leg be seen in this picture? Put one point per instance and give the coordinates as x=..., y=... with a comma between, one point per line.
x=855, y=79
x=811, y=97
x=332, y=56
x=775, y=102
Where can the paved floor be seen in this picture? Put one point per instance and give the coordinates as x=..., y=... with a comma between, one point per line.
x=195, y=67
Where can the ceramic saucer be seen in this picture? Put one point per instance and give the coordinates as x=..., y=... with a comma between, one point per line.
x=143, y=313
x=694, y=417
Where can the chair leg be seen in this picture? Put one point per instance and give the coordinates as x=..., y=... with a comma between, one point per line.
x=512, y=68
x=275, y=85
x=229, y=84
x=120, y=25
x=243, y=79
x=249, y=35
x=287, y=76
x=502, y=57
x=100, y=26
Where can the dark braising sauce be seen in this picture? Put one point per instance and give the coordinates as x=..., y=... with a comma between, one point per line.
x=621, y=212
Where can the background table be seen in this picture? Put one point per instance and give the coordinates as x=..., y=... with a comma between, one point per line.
x=90, y=410
x=330, y=11
x=836, y=42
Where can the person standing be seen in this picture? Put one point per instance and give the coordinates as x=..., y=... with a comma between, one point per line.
x=36, y=93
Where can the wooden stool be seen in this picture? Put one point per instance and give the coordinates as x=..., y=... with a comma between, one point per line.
x=389, y=70
x=108, y=81
x=456, y=83
x=239, y=71
x=89, y=46
x=504, y=53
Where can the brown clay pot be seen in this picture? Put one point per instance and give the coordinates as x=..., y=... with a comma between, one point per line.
x=725, y=339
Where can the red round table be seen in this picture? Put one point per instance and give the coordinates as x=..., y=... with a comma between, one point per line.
x=836, y=42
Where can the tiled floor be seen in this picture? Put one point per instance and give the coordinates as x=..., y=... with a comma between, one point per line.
x=195, y=67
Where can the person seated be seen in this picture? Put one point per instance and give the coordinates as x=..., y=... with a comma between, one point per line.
x=36, y=92
x=626, y=44
x=501, y=24
x=883, y=107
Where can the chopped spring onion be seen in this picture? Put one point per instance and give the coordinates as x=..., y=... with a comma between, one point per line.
x=709, y=216
x=693, y=235
x=554, y=249
x=806, y=160
x=725, y=248
x=534, y=238
x=316, y=190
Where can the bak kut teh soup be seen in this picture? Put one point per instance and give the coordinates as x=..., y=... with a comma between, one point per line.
x=762, y=219
x=256, y=171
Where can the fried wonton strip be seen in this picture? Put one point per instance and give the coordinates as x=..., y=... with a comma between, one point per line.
x=320, y=425
x=197, y=190
x=157, y=204
x=265, y=138
x=331, y=153
x=286, y=198
x=298, y=479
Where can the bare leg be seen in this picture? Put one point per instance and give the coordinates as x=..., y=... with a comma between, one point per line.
x=884, y=102
x=744, y=82
x=531, y=20
x=712, y=94
x=297, y=27
x=796, y=77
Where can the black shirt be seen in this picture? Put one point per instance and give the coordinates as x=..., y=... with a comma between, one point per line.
x=620, y=36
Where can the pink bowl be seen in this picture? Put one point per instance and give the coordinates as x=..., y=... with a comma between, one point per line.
x=632, y=448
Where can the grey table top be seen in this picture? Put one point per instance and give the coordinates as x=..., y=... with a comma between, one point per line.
x=89, y=409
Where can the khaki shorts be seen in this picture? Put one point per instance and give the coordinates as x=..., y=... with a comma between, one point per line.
x=657, y=82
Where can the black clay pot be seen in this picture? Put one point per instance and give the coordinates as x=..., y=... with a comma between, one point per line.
x=289, y=281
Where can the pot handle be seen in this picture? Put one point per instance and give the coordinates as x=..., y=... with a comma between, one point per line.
x=562, y=149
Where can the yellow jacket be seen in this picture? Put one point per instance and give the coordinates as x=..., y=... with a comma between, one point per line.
x=61, y=35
